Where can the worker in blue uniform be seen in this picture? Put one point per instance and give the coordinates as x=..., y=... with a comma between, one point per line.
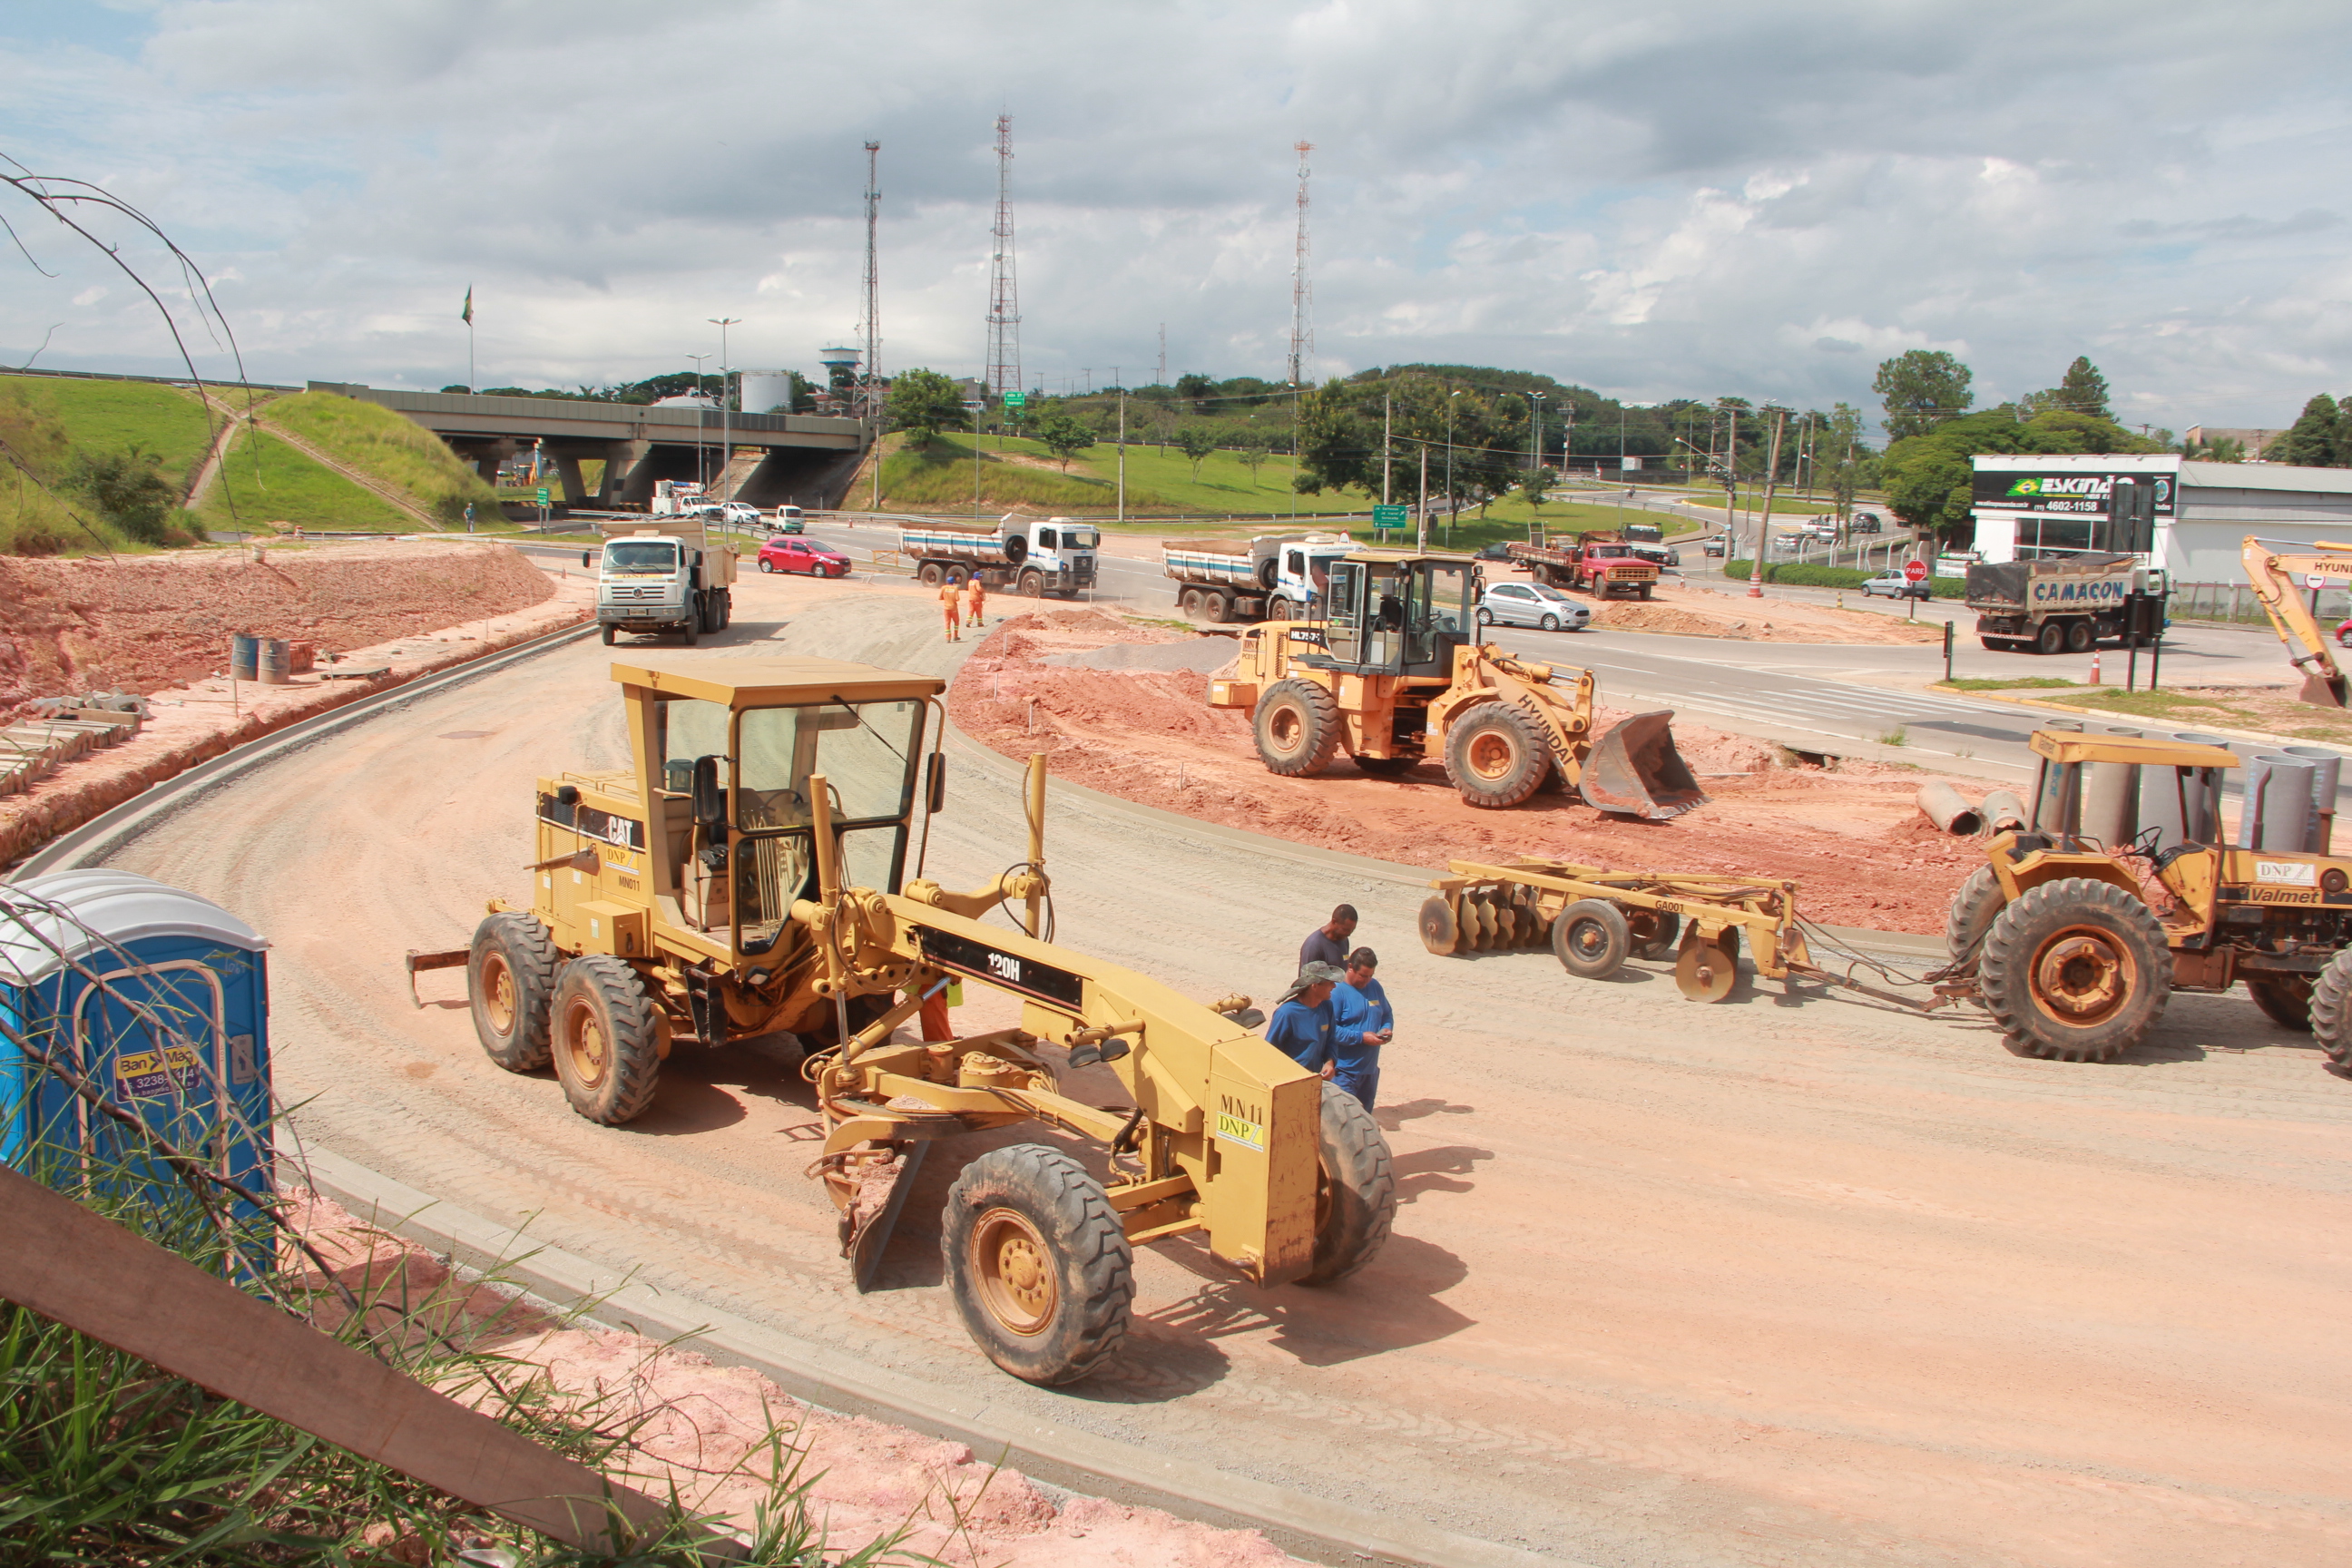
x=1361, y=1023
x=1302, y=1023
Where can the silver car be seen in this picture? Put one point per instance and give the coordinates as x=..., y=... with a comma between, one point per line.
x=1532, y=605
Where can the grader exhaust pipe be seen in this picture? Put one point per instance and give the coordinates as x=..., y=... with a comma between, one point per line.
x=1635, y=768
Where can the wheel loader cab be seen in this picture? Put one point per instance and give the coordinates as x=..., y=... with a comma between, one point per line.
x=724, y=750
x=1398, y=614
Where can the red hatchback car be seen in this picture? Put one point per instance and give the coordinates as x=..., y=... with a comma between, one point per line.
x=803, y=556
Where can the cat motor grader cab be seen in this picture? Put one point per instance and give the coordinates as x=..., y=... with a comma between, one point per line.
x=746, y=875
x=2120, y=892
x=1397, y=674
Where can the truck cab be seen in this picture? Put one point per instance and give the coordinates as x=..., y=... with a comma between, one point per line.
x=663, y=578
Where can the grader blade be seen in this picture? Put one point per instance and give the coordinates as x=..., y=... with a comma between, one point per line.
x=871, y=1238
x=1634, y=769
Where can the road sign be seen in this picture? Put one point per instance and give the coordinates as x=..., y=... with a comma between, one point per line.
x=1388, y=517
x=544, y=500
x=1915, y=571
x=2314, y=580
x=1016, y=400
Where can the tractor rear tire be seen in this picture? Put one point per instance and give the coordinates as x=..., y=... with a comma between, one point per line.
x=1355, y=1189
x=605, y=1039
x=1496, y=756
x=1441, y=930
x=510, y=983
x=2284, y=999
x=2331, y=1010
x=2075, y=971
x=1976, y=904
x=1042, y=1274
x=1297, y=728
x=1592, y=939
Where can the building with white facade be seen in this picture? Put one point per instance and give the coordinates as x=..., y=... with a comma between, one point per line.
x=2029, y=505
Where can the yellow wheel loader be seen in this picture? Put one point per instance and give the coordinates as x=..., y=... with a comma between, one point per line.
x=1396, y=675
x=2119, y=892
x=746, y=875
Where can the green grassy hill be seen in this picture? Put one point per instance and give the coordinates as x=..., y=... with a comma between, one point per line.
x=389, y=448
x=274, y=484
x=47, y=424
x=114, y=415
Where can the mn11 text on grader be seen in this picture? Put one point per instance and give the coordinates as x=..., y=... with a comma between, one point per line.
x=2076, y=932
x=746, y=875
x=1396, y=675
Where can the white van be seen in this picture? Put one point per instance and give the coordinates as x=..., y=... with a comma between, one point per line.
x=790, y=519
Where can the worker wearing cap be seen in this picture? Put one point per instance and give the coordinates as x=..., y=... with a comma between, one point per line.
x=1302, y=1023
x=951, y=600
x=977, y=603
x=1361, y=1023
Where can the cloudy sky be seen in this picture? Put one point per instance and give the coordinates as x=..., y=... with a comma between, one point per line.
x=1653, y=200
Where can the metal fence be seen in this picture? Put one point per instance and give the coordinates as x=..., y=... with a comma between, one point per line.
x=2234, y=604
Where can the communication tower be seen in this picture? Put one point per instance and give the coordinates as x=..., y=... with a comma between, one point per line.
x=1302, y=336
x=872, y=327
x=1004, y=289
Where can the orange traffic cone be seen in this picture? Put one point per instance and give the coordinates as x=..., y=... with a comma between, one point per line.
x=2094, y=666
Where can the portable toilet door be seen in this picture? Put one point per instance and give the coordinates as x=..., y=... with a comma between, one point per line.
x=157, y=1001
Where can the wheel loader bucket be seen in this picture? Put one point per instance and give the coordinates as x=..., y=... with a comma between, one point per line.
x=1635, y=768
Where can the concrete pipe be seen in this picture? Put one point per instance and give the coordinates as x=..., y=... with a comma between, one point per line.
x=2202, y=791
x=2281, y=813
x=1949, y=809
x=2049, y=806
x=2111, y=800
x=2327, y=768
x=2002, y=811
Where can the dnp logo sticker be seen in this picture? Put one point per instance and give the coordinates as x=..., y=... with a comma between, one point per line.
x=2287, y=873
x=1239, y=1123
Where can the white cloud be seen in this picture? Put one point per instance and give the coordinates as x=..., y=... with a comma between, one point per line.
x=1692, y=200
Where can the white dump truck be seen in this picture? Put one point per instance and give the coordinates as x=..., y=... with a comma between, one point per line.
x=2066, y=602
x=663, y=576
x=1033, y=556
x=1273, y=577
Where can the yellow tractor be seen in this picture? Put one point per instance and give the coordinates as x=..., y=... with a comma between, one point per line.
x=746, y=875
x=2119, y=892
x=1396, y=675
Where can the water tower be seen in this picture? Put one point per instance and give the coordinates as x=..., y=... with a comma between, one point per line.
x=840, y=371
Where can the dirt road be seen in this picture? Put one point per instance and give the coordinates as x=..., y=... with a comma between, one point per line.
x=1779, y=1282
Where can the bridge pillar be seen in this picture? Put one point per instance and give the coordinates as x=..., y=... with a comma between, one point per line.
x=575, y=488
x=627, y=476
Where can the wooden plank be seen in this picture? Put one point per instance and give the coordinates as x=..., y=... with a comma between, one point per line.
x=66, y=1264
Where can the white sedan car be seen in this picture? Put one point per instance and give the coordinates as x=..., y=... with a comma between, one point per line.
x=1532, y=605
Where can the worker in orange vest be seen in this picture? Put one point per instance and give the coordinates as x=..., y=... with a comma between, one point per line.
x=952, y=601
x=977, y=603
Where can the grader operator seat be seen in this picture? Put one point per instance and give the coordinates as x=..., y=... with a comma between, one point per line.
x=1394, y=615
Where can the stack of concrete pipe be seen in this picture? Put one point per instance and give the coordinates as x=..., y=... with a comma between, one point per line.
x=2290, y=803
x=1949, y=809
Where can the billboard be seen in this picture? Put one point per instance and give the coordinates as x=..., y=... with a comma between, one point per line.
x=2073, y=492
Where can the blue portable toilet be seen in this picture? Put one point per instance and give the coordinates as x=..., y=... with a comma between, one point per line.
x=159, y=1001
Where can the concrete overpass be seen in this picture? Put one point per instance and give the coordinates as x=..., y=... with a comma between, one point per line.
x=798, y=459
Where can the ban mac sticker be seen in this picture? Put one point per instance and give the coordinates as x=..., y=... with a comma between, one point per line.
x=1240, y=1130
x=148, y=1075
x=2286, y=873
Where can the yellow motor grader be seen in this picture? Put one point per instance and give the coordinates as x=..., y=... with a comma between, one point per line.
x=747, y=875
x=1396, y=674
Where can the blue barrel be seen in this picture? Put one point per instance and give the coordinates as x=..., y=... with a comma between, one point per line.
x=156, y=998
x=244, y=658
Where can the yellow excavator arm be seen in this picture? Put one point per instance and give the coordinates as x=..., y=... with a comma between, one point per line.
x=2308, y=645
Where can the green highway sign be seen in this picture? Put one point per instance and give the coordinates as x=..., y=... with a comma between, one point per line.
x=543, y=498
x=1388, y=516
x=1016, y=400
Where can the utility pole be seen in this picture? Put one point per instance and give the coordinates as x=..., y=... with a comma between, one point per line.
x=1385, y=449
x=1535, y=431
x=1764, y=529
x=1161, y=379
x=1302, y=336
x=1003, y=287
x=1422, y=506
x=726, y=436
x=1122, y=443
x=1452, y=507
x=874, y=317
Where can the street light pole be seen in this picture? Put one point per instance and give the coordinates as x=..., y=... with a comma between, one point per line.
x=726, y=438
x=702, y=452
x=1451, y=507
x=1535, y=431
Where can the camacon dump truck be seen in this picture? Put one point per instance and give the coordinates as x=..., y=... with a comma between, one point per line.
x=663, y=576
x=1033, y=556
x=1275, y=576
x=1602, y=564
x=2065, y=604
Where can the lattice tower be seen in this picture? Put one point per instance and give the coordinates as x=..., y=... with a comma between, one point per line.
x=872, y=330
x=1003, y=287
x=1302, y=335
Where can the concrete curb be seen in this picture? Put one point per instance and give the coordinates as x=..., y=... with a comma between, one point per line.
x=1046, y=1451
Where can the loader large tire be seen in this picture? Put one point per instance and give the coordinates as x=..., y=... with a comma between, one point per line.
x=2075, y=971
x=1496, y=756
x=2331, y=1009
x=1041, y=1271
x=1975, y=906
x=510, y=980
x=2284, y=999
x=605, y=1039
x=1297, y=727
x=1355, y=1189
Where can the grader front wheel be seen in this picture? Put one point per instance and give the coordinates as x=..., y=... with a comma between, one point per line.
x=1041, y=1273
x=509, y=977
x=606, y=1039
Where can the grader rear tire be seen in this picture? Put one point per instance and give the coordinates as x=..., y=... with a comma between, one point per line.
x=1496, y=756
x=1355, y=1189
x=1592, y=939
x=1041, y=1275
x=2075, y=971
x=2331, y=1009
x=1439, y=932
x=2284, y=999
x=1297, y=729
x=509, y=981
x=1975, y=906
x=605, y=1039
